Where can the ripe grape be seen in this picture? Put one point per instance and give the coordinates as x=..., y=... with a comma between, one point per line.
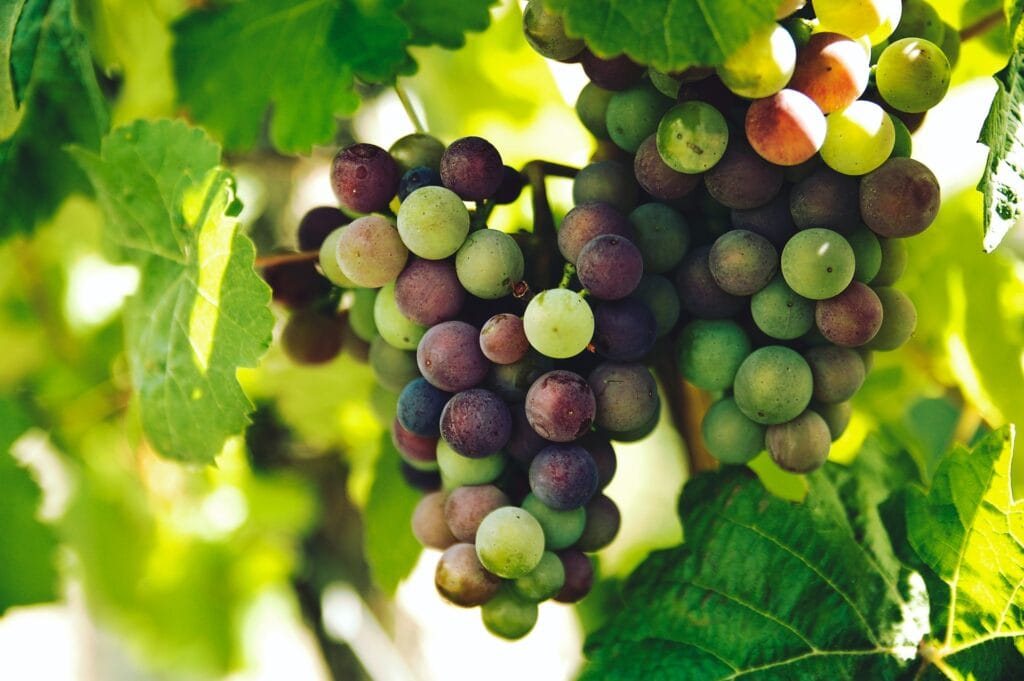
x=615, y=74
x=466, y=507
x=561, y=528
x=608, y=182
x=417, y=178
x=560, y=406
x=832, y=70
x=418, y=451
x=780, y=312
x=579, y=576
x=603, y=454
x=296, y=284
x=656, y=177
x=692, y=137
x=587, y=221
x=851, y=318
x=364, y=178
x=459, y=471
x=603, y=522
x=509, y=615
x=711, y=351
x=546, y=580
x=662, y=235
x=563, y=476
x=428, y=523
x=489, y=263
x=472, y=168
x=371, y=252
x=626, y=396
x=610, y=267
x=312, y=336
x=512, y=183
x=558, y=323
x=524, y=443
x=773, y=385
x=502, y=339
x=428, y=291
x=800, y=445
x=509, y=542
x=449, y=356
x=899, y=319
x=424, y=481
x=900, y=199
x=633, y=115
x=545, y=31
x=919, y=20
x=699, y=293
x=316, y=225
x=912, y=75
x=826, y=199
x=592, y=109
x=729, y=435
x=624, y=330
x=818, y=263
x=417, y=150
x=742, y=262
x=762, y=66
x=859, y=139
x=838, y=373
x=433, y=222
x=476, y=423
x=742, y=179
x=462, y=580
x=786, y=128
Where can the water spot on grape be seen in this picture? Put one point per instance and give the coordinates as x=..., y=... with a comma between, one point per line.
x=829, y=270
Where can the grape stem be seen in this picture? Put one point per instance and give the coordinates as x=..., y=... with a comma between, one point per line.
x=567, y=273
x=410, y=110
x=543, y=220
x=687, y=406
x=982, y=25
x=286, y=258
x=481, y=214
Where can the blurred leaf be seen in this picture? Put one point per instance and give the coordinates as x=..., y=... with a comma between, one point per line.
x=444, y=22
x=28, y=575
x=391, y=548
x=48, y=98
x=668, y=34
x=200, y=311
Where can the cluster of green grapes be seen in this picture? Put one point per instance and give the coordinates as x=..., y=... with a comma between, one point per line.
x=775, y=190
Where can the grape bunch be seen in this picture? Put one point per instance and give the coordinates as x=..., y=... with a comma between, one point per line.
x=776, y=190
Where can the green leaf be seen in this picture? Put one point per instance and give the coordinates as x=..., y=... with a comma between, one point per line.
x=391, y=548
x=762, y=589
x=444, y=22
x=28, y=575
x=668, y=34
x=969, y=531
x=200, y=311
x=49, y=97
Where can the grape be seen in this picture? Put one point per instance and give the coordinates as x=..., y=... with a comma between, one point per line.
x=624, y=330
x=328, y=259
x=417, y=178
x=867, y=253
x=643, y=430
x=428, y=523
x=773, y=385
x=558, y=323
x=786, y=128
x=800, y=445
x=608, y=182
x=579, y=576
x=692, y=137
x=587, y=221
x=633, y=115
x=664, y=83
x=371, y=252
x=466, y=507
x=418, y=451
x=449, y=356
x=729, y=435
x=699, y=294
x=626, y=396
x=742, y=262
x=524, y=442
x=462, y=580
x=912, y=75
x=415, y=150
x=662, y=235
x=364, y=178
x=837, y=417
x=818, y=263
x=838, y=373
x=512, y=183
x=560, y=406
x=546, y=580
x=904, y=145
x=489, y=263
x=360, y=314
x=592, y=109
x=316, y=225
x=476, y=423
x=545, y=31
x=561, y=528
x=603, y=454
x=509, y=542
x=891, y=13
x=762, y=66
x=851, y=318
x=312, y=336
x=511, y=381
x=428, y=291
x=899, y=319
x=419, y=407
x=832, y=70
x=615, y=74
x=773, y=220
x=660, y=297
x=859, y=139
x=296, y=284
x=826, y=199
x=424, y=481
x=610, y=267
x=563, y=476
x=509, y=615
x=742, y=179
x=355, y=347
x=392, y=367
x=854, y=18
x=394, y=327
x=433, y=222
x=502, y=339
x=656, y=177
x=780, y=313
x=894, y=261
x=459, y=471
x=900, y=199
x=711, y=351
x=603, y=522
x=472, y=168
x=919, y=20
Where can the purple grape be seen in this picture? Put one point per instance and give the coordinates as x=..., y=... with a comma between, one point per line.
x=364, y=178
x=476, y=423
x=425, y=481
x=587, y=221
x=826, y=199
x=512, y=183
x=429, y=292
x=472, y=168
x=610, y=267
x=419, y=408
x=418, y=451
x=603, y=453
x=773, y=220
x=316, y=224
x=563, y=476
x=312, y=336
x=656, y=177
x=618, y=73
x=579, y=576
x=560, y=406
x=503, y=340
x=525, y=442
x=742, y=179
x=852, y=318
x=603, y=522
x=462, y=580
x=899, y=199
x=417, y=178
x=467, y=506
x=624, y=330
x=449, y=356
x=699, y=293
x=296, y=284
x=626, y=395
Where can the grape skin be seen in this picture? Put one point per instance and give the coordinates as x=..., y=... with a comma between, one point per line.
x=558, y=323
x=560, y=406
x=462, y=580
x=433, y=222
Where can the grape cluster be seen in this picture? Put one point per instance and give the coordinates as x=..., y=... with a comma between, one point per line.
x=776, y=190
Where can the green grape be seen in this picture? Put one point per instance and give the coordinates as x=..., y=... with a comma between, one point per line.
x=891, y=13
x=729, y=435
x=951, y=45
x=818, y=263
x=912, y=75
x=458, y=470
x=903, y=147
x=633, y=115
x=899, y=319
x=489, y=263
x=662, y=235
x=692, y=137
x=919, y=20
x=853, y=18
x=329, y=261
x=509, y=542
x=660, y=296
x=433, y=222
x=666, y=84
x=544, y=581
x=397, y=329
x=800, y=445
x=780, y=312
x=762, y=66
x=360, y=315
x=592, y=109
x=608, y=182
x=867, y=253
x=392, y=368
x=893, y=263
x=509, y=615
x=561, y=528
x=558, y=323
x=711, y=351
x=773, y=385
x=860, y=138
x=837, y=417
x=545, y=31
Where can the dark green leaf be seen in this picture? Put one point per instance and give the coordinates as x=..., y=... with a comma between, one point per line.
x=444, y=22
x=200, y=311
x=391, y=548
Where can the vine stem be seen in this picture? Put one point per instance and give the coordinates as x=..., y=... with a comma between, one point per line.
x=410, y=110
x=536, y=172
x=286, y=258
x=982, y=25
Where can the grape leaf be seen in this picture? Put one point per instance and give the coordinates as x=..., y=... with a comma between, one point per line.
x=391, y=548
x=970, y=532
x=444, y=22
x=49, y=97
x=200, y=311
x=668, y=34
x=762, y=589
